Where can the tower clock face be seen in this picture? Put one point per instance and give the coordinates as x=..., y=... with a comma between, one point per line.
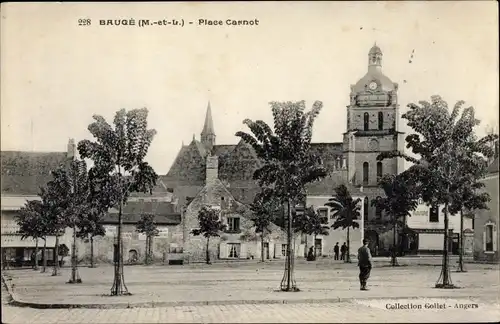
x=373, y=85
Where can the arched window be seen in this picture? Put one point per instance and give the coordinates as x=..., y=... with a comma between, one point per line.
x=366, y=121
x=366, y=168
x=380, y=120
x=379, y=170
x=378, y=211
x=365, y=209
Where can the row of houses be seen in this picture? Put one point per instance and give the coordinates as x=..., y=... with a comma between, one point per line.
x=205, y=173
x=239, y=241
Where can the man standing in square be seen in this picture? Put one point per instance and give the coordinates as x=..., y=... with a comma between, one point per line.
x=364, y=263
x=336, y=249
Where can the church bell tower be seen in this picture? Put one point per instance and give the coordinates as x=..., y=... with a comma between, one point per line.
x=372, y=127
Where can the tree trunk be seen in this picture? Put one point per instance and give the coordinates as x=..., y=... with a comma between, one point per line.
x=91, y=251
x=348, y=256
x=119, y=287
x=35, y=266
x=150, y=251
x=55, y=272
x=305, y=246
x=289, y=247
x=207, y=251
x=44, y=256
x=146, y=252
x=262, y=246
x=445, y=271
x=394, y=261
x=74, y=260
x=314, y=246
x=461, y=244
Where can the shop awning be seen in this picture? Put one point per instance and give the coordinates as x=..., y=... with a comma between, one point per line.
x=14, y=241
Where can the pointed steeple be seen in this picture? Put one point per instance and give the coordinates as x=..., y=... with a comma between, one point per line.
x=208, y=132
x=208, y=128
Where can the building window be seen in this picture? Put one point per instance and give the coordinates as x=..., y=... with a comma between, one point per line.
x=366, y=168
x=366, y=121
x=434, y=214
x=489, y=238
x=380, y=120
x=365, y=209
x=323, y=215
x=233, y=224
x=234, y=250
x=378, y=211
x=379, y=171
x=284, y=249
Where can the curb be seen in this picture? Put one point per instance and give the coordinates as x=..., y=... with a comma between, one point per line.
x=18, y=303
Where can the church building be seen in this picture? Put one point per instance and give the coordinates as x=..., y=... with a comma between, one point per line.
x=372, y=127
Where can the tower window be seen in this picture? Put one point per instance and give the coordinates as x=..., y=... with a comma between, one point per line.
x=365, y=209
x=378, y=211
x=379, y=171
x=366, y=121
x=366, y=168
x=380, y=120
x=434, y=214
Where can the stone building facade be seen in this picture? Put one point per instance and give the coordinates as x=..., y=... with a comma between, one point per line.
x=486, y=234
x=23, y=173
x=239, y=240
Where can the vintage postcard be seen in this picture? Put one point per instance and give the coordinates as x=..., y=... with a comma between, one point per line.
x=292, y=162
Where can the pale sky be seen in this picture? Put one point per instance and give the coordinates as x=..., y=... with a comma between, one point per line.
x=55, y=74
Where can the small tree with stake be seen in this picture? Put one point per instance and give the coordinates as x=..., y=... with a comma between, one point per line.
x=449, y=153
x=400, y=198
x=346, y=212
x=310, y=222
x=119, y=169
x=30, y=222
x=210, y=226
x=89, y=227
x=288, y=164
x=147, y=225
x=265, y=210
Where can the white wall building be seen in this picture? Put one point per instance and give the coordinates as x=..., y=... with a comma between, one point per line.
x=428, y=224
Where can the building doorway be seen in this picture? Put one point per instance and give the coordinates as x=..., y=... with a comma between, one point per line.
x=373, y=241
x=318, y=247
x=266, y=250
x=132, y=256
x=455, y=244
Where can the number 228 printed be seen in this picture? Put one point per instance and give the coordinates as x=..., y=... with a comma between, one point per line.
x=84, y=22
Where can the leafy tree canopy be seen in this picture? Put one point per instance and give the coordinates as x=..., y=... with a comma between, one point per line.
x=400, y=196
x=346, y=210
x=210, y=224
x=288, y=163
x=118, y=154
x=147, y=225
x=450, y=154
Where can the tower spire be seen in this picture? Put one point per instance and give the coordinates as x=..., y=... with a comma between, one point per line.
x=208, y=132
x=208, y=128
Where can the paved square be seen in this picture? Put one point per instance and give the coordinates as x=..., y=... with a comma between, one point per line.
x=246, y=293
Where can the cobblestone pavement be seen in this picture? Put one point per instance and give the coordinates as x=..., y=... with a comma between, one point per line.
x=352, y=312
x=178, y=286
x=480, y=287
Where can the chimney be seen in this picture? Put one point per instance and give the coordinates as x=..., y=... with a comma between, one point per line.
x=212, y=169
x=71, y=153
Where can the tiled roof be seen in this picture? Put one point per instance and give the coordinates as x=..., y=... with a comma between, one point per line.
x=134, y=218
x=493, y=167
x=165, y=213
x=23, y=173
